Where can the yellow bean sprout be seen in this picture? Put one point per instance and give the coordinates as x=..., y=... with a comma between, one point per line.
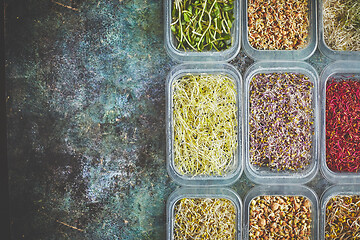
x=204, y=218
x=205, y=124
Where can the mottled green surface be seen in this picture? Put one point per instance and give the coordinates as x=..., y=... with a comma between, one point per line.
x=86, y=119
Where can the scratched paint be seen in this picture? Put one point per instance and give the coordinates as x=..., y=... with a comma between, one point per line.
x=87, y=88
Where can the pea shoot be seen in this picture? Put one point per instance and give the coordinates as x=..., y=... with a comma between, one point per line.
x=202, y=25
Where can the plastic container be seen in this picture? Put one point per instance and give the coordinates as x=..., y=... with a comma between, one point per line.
x=204, y=56
x=223, y=193
x=282, y=190
x=323, y=47
x=264, y=175
x=344, y=70
x=198, y=69
x=337, y=190
x=300, y=54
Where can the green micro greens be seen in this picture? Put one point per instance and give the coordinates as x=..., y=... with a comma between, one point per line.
x=202, y=25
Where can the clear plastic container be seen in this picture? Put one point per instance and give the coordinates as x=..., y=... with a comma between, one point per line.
x=343, y=70
x=299, y=54
x=282, y=190
x=323, y=47
x=204, y=56
x=264, y=175
x=333, y=191
x=202, y=193
x=199, y=69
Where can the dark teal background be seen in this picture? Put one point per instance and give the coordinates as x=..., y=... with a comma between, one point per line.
x=86, y=119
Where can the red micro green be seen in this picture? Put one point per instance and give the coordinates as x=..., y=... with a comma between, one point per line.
x=343, y=124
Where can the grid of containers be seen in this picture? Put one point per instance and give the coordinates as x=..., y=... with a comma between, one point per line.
x=280, y=185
